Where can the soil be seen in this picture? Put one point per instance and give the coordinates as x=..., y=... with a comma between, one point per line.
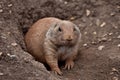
x=98, y=20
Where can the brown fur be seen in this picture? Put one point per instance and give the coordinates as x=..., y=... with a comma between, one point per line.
x=51, y=40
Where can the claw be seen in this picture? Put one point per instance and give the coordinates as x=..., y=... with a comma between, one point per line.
x=57, y=71
x=69, y=65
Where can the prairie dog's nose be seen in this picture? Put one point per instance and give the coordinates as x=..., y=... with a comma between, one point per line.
x=69, y=38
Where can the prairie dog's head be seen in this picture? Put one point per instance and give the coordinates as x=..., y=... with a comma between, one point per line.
x=64, y=33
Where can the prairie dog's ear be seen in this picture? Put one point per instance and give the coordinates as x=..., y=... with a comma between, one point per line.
x=54, y=25
x=76, y=28
x=50, y=31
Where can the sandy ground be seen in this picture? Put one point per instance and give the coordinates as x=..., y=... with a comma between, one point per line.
x=98, y=20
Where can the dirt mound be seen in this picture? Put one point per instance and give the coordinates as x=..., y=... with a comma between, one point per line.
x=98, y=20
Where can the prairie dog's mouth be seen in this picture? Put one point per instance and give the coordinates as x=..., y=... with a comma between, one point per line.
x=67, y=43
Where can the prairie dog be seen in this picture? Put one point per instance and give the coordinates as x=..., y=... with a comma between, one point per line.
x=51, y=40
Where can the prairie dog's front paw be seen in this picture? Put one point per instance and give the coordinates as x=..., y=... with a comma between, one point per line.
x=69, y=64
x=57, y=71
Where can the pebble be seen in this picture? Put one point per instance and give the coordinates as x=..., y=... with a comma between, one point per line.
x=10, y=5
x=118, y=37
x=112, y=14
x=114, y=69
x=97, y=22
x=118, y=7
x=116, y=27
x=87, y=12
x=94, y=33
x=12, y=56
x=102, y=39
x=72, y=18
x=103, y=24
x=1, y=10
x=119, y=45
x=14, y=44
x=110, y=34
x=110, y=39
x=94, y=42
x=65, y=2
x=101, y=47
x=10, y=11
x=104, y=35
x=85, y=45
x=115, y=78
x=1, y=53
x=1, y=74
x=85, y=33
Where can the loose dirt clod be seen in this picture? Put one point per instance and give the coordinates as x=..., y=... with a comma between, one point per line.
x=1, y=74
x=10, y=5
x=110, y=34
x=12, y=56
x=85, y=45
x=87, y=12
x=1, y=10
x=1, y=53
x=114, y=70
x=14, y=44
x=103, y=24
x=118, y=37
x=115, y=78
x=101, y=47
x=119, y=45
x=94, y=32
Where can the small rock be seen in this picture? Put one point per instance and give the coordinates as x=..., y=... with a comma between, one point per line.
x=112, y=14
x=110, y=39
x=97, y=22
x=1, y=53
x=85, y=45
x=104, y=39
x=10, y=5
x=72, y=18
x=87, y=12
x=115, y=78
x=103, y=24
x=14, y=44
x=118, y=37
x=1, y=10
x=101, y=47
x=110, y=34
x=8, y=46
x=61, y=0
x=8, y=33
x=104, y=35
x=114, y=69
x=1, y=74
x=94, y=42
x=85, y=33
x=94, y=33
x=119, y=45
x=12, y=56
x=10, y=11
x=65, y=2
x=118, y=7
x=116, y=27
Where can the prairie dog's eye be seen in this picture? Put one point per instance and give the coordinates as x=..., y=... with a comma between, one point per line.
x=59, y=29
x=74, y=29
